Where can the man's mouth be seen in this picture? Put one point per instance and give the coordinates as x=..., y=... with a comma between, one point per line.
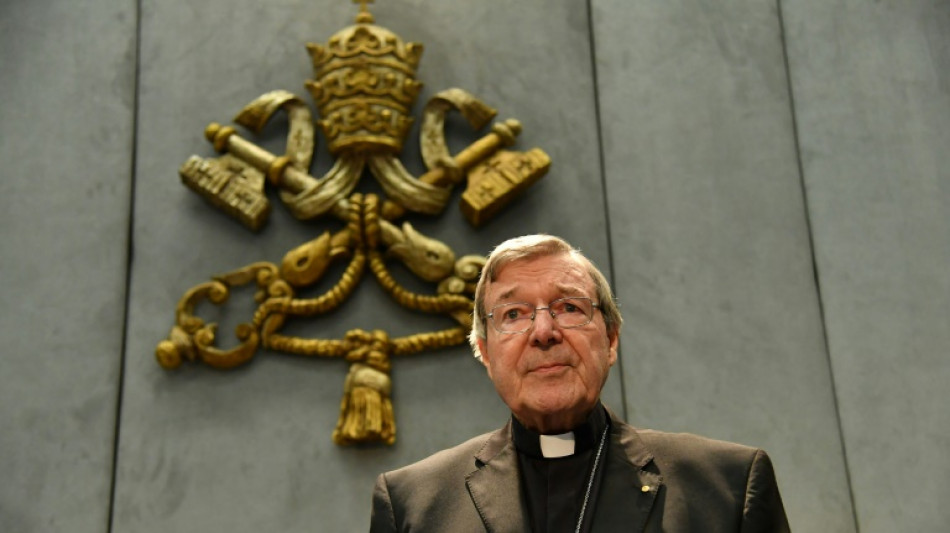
x=549, y=368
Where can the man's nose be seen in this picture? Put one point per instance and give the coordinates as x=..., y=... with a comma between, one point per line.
x=545, y=331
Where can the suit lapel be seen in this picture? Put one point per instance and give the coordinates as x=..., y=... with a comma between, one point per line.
x=495, y=486
x=628, y=490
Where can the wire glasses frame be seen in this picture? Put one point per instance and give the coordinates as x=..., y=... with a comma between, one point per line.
x=518, y=317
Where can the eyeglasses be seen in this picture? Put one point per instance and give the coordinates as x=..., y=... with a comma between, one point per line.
x=518, y=317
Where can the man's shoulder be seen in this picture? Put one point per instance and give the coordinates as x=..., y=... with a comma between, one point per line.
x=690, y=442
x=709, y=480
x=689, y=451
x=432, y=493
x=459, y=458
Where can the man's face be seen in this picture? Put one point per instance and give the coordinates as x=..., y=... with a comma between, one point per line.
x=549, y=376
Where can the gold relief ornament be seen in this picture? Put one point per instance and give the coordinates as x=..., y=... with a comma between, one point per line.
x=364, y=87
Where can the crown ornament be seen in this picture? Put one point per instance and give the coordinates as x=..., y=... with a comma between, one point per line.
x=365, y=86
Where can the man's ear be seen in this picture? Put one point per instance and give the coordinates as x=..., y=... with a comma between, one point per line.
x=613, y=337
x=483, y=349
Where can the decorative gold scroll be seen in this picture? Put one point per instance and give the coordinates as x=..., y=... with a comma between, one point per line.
x=364, y=87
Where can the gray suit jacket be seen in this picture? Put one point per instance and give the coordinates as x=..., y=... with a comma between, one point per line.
x=652, y=482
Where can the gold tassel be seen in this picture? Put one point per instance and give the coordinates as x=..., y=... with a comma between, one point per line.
x=366, y=411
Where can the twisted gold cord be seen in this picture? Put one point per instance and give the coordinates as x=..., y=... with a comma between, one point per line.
x=308, y=347
x=429, y=341
x=443, y=303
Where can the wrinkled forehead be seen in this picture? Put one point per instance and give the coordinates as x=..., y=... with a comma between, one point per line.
x=549, y=276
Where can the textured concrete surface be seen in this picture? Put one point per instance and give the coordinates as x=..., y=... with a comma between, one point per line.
x=872, y=91
x=67, y=84
x=732, y=181
x=710, y=241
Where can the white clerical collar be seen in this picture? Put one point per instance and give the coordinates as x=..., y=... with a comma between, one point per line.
x=554, y=446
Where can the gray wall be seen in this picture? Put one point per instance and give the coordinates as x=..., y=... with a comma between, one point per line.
x=767, y=184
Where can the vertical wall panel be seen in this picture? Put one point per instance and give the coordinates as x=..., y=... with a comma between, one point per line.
x=872, y=91
x=67, y=86
x=250, y=449
x=710, y=240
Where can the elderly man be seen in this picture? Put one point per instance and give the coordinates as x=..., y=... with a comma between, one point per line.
x=546, y=328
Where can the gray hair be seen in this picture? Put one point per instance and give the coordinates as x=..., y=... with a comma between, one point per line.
x=531, y=247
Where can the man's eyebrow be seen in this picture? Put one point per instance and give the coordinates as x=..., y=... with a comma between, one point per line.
x=570, y=290
x=563, y=288
x=507, y=294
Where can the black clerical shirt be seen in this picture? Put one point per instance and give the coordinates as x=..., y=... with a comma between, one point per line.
x=555, y=488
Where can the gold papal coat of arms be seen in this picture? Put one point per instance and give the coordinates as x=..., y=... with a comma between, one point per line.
x=364, y=88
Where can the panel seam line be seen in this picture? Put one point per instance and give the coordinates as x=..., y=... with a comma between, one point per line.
x=603, y=182
x=130, y=254
x=815, y=266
